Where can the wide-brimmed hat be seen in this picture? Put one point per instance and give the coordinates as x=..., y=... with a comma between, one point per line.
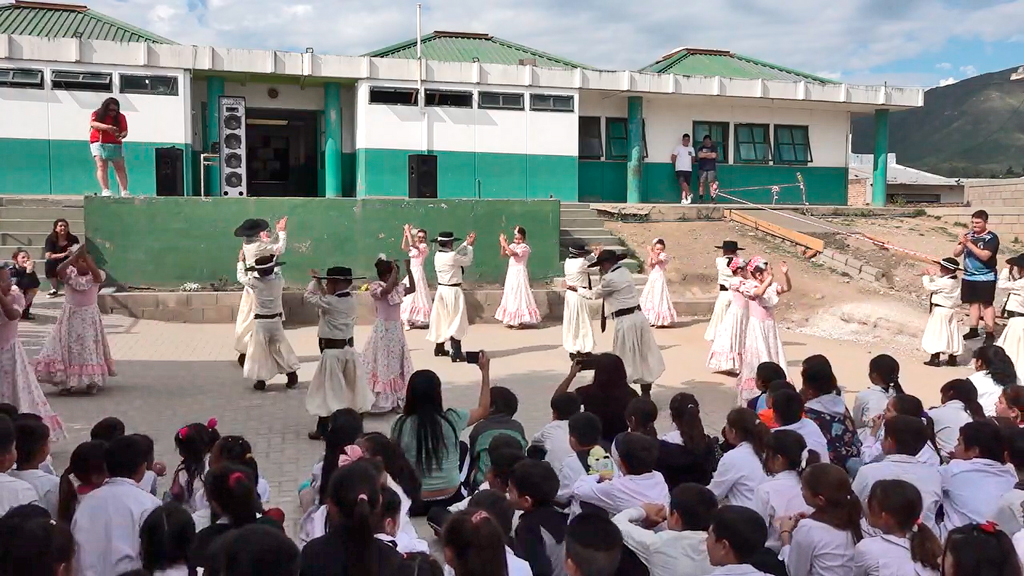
x=446, y=236
x=263, y=263
x=1017, y=261
x=950, y=263
x=730, y=245
x=251, y=227
x=578, y=250
x=339, y=273
x=607, y=257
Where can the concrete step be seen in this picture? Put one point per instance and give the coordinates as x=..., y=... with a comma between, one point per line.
x=589, y=238
x=595, y=279
x=569, y=223
x=37, y=225
x=7, y=248
x=577, y=213
x=42, y=201
x=574, y=205
x=50, y=213
x=23, y=238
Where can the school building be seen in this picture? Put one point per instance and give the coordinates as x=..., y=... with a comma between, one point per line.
x=503, y=120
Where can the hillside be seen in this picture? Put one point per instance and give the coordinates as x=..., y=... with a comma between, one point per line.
x=974, y=128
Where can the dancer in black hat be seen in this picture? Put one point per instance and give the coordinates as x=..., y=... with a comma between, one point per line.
x=338, y=382
x=268, y=353
x=577, y=330
x=1011, y=340
x=729, y=248
x=256, y=242
x=633, y=341
x=942, y=333
x=448, y=317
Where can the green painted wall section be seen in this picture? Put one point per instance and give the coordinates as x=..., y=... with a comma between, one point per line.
x=165, y=242
x=606, y=182
x=58, y=167
x=471, y=175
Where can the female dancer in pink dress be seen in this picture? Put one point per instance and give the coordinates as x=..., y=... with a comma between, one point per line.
x=763, y=343
x=727, y=348
x=656, y=301
x=517, y=307
x=416, y=305
x=386, y=361
x=77, y=354
x=18, y=385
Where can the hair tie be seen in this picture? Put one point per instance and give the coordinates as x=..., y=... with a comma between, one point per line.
x=211, y=423
x=182, y=432
x=479, y=517
x=235, y=478
x=363, y=498
x=349, y=455
x=803, y=458
x=989, y=526
x=248, y=457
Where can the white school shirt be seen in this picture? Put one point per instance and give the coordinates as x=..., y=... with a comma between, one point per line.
x=1018, y=545
x=569, y=472
x=887, y=555
x=739, y=473
x=266, y=289
x=871, y=450
x=869, y=403
x=106, y=528
x=684, y=158
x=15, y=492
x=149, y=481
x=925, y=477
x=1015, y=291
x=738, y=570
x=448, y=264
x=818, y=549
x=47, y=487
x=945, y=290
x=813, y=437
x=554, y=437
x=665, y=553
x=779, y=496
x=516, y=565
x=337, y=313
x=1009, y=515
x=948, y=419
x=622, y=492
x=988, y=391
x=971, y=490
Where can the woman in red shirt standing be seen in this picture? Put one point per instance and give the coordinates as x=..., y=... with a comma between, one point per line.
x=108, y=129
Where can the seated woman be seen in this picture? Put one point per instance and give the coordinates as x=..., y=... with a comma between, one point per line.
x=607, y=396
x=429, y=435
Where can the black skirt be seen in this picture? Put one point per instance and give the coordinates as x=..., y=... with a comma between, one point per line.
x=24, y=279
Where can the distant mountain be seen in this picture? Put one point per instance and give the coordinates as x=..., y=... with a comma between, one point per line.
x=972, y=129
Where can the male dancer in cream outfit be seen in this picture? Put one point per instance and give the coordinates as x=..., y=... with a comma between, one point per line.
x=448, y=317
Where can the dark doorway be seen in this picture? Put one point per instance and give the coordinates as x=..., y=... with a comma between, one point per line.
x=282, y=152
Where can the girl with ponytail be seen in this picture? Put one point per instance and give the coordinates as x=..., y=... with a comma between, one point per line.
x=86, y=471
x=884, y=375
x=959, y=406
x=740, y=471
x=906, y=546
x=823, y=543
x=901, y=405
x=785, y=457
x=687, y=454
x=474, y=544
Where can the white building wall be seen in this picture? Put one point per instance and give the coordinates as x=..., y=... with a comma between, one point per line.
x=63, y=115
x=463, y=129
x=669, y=117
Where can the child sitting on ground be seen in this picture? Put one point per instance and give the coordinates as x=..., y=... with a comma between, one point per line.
x=823, y=543
x=1009, y=513
x=768, y=414
x=736, y=537
x=167, y=535
x=554, y=436
x=788, y=409
x=540, y=533
x=884, y=375
x=641, y=414
x=906, y=546
x=504, y=453
x=767, y=372
x=389, y=522
x=584, y=436
x=13, y=492
x=86, y=471
x=687, y=454
x=194, y=443
x=500, y=421
x=785, y=457
x=680, y=549
x=33, y=447
x=593, y=546
x=475, y=541
x=740, y=471
x=977, y=478
x=979, y=550
x=639, y=482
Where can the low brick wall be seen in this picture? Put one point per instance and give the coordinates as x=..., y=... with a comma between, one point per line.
x=850, y=265
x=995, y=193
x=1007, y=222
x=222, y=307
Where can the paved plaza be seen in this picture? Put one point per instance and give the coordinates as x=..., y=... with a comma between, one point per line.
x=173, y=374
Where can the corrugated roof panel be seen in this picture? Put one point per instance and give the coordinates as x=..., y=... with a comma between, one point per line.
x=696, y=62
x=464, y=47
x=65, y=21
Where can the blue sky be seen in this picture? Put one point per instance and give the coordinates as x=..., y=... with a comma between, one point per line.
x=902, y=42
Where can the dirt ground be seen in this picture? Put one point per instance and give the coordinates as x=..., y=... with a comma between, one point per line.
x=823, y=302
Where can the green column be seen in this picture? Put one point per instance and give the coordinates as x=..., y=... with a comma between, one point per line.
x=635, y=146
x=881, y=157
x=332, y=143
x=214, y=90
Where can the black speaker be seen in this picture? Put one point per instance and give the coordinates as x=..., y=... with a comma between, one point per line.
x=170, y=171
x=422, y=176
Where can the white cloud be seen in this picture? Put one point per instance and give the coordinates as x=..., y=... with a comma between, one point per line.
x=830, y=75
x=944, y=66
x=969, y=71
x=947, y=81
x=853, y=35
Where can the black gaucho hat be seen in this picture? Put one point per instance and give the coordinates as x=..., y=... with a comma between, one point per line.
x=263, y=263
x=607, y=256
x=339, y=273
x=252, y=227
x=446, y=236
x=730, y=245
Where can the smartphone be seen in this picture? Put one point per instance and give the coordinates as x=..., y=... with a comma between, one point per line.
x=587, y=363
x=472, y=357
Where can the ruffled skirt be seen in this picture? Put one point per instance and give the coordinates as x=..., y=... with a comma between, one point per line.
x=387, y=365
x=942, y=333
x=76, y=353
x=18, y=386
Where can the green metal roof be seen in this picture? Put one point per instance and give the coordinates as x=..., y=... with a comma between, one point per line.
x=465, y=46
x=68, y=20
x=703, y=62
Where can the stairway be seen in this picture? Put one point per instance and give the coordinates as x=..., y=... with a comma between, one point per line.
x=26, y=221
x=581, y=224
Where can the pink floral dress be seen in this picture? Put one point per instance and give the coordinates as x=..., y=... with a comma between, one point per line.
x=727, y=349
x=385, y=358
x=656, y=300
x=416, y=306
x=517, y=304
x=18, y=385
x=762, y=342
x=76, y=353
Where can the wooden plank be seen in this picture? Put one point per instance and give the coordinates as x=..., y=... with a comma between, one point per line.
x=775, y=230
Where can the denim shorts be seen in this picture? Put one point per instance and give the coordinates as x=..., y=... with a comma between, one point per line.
x=106, y=151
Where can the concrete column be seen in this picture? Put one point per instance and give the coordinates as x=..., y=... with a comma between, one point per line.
x=881, y=157
x=332, y=144
x=214, y=90
x=635, y=147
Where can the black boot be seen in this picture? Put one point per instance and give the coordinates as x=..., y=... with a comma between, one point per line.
x=260, y=385
x=457, y=355
x=293, y=380
x=241, y=360
x=322, y=424
x=573, y=356
x=952, y=360
x=972, y=334
x=990, y=338
x=933, y=361
x=439, y=350
x=645, y=391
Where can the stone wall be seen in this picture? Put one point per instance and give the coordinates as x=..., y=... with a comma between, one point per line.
x=995, y=193
x=857, y=192
x=1007, y=222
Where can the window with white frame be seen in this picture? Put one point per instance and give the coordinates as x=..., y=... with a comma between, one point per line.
x=552, y=103
x=501, y=101
x=21, y=78
x=74, y=81
x=149, y=84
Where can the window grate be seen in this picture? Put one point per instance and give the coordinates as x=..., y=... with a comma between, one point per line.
x=502, y=101
x=719, y=132
x=147, y=84
x=21, y=78
x=792, y=145
x=447, y=99
x=617, y=136
x=552, y=103
x=73, y=81
x=753, y=146
x=393, y=96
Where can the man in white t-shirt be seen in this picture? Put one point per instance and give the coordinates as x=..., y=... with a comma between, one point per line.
x=682, y=157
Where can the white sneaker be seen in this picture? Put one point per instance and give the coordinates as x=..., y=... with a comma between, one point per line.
x=107, y=193
x=125, y=194
x=687, y=200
